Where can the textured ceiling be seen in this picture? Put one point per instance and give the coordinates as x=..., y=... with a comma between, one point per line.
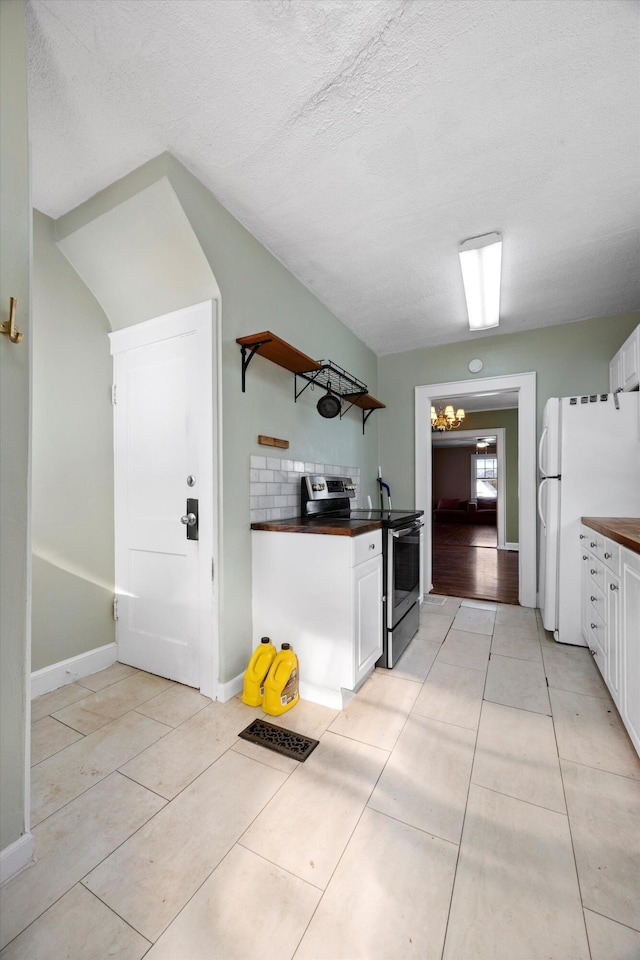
x=360, y=142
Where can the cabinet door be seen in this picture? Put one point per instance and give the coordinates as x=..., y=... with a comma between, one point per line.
x=367, y=586
x=615, y=372
x=612, y=601
x=630, y=361
x=630, y=633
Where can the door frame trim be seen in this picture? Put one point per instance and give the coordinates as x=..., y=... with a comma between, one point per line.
x=500, y=453
x=163, y=327
x=525, y=385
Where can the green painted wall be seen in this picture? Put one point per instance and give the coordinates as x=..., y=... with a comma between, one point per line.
x=258, y=293
x=568, y=359
x=72, y=493
x=508, y=419
x=15, y=257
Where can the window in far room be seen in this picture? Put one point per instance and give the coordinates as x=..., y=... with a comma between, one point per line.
x=484, y=476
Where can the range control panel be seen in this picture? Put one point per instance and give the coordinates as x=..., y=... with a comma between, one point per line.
x=315, y=487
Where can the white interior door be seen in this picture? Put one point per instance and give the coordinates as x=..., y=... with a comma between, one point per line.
x=163, y=440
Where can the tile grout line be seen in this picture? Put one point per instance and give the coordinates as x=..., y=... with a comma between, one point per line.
x=564, y=794
x=464, y=816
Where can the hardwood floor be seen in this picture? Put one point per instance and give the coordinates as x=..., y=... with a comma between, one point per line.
x=467, y=563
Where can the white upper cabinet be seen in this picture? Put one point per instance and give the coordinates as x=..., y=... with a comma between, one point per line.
x=624, y=368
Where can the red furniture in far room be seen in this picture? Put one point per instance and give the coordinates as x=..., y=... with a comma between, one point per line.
x=452, y=510
x=483, y=511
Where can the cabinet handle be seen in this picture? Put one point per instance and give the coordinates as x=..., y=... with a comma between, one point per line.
x=607, y=556
x=594, y=626
x=583, y=536
x=594, y=599
x=372, y=546
x=593, y=572
x=584, y=556
x=613, y=586
x=593, y=543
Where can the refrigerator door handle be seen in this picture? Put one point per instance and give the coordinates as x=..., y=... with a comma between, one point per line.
x=542, y=519
x=542, y=439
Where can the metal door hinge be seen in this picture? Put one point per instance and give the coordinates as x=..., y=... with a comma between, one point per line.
x=113, y=394
x=115, y=608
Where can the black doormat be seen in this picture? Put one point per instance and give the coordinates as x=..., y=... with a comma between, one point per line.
x=286, y=742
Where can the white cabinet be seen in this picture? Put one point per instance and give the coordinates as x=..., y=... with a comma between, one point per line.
x=615, y=373
x=323, y=595
x=624, y=367
x=611, y=620
x=594, y=609
x=630, y=644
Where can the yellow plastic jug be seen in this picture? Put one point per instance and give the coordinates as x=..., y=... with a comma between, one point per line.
x=281, y=684
x=256, y=673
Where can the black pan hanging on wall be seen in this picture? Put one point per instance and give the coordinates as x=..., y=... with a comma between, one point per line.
x=329, y=406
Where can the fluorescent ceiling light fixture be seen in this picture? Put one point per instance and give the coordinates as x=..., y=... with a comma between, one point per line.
x=481, y=260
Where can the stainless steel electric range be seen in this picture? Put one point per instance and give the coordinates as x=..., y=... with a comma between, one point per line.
x=329, y=497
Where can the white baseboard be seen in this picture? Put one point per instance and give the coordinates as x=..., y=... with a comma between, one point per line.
x=16, y=857
x=58, y=674
x=231, y=688
x=510, y=546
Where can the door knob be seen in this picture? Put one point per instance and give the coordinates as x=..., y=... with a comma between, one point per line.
x=190, y=519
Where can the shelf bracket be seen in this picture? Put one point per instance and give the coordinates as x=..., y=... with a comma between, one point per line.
x=246, y=360
x=310, y=377
x=365, y=416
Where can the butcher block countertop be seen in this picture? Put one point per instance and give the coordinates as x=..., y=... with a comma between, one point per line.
x=624, y=530
x=330, y=527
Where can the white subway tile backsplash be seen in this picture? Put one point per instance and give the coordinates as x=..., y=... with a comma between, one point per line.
x=274, y=485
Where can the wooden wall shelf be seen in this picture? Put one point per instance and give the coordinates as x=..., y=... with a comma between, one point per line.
x=273, y=348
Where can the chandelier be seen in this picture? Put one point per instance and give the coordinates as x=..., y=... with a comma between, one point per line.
x=445, y=418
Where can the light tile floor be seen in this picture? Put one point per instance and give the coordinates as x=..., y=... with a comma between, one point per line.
x=480, y=801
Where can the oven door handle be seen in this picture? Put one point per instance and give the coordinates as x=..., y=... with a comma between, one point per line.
x=407, y=531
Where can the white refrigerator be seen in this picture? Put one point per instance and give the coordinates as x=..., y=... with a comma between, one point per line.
x=589, y=460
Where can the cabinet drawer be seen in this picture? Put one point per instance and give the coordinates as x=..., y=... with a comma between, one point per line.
x=598, y=636
x=597, y=603
x=611, y=555
x=366, y=546
x=596, y=573
x=595, y=542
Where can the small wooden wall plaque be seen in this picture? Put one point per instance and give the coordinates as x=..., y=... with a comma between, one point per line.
x=273, y=442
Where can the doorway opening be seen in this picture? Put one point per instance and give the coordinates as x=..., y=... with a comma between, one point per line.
x=472, y=480
x=523, y=387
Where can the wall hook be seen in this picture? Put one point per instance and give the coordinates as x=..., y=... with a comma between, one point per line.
x=9, y=326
